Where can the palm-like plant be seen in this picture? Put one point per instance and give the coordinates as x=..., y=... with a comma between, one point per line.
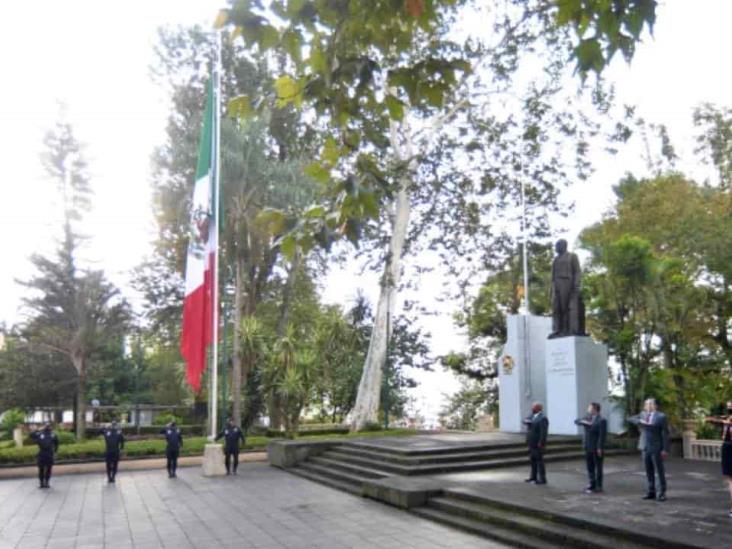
x=289, y=375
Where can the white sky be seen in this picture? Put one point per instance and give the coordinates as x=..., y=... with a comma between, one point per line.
x=95, y=55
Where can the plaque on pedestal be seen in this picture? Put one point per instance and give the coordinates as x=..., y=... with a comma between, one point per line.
x=576, y=374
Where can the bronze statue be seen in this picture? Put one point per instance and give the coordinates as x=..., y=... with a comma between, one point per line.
x=568, y=311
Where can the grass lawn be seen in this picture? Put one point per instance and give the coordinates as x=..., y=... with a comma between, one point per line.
x=94, y=449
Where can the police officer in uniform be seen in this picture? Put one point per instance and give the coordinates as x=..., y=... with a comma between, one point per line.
x=174, y=440
x=231, y=435
x=47, y=444
x=114, y=441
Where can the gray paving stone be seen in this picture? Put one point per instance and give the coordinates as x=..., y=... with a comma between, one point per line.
x=262, y=508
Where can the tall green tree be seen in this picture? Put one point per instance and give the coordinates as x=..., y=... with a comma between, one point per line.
x=73, y=312
x=388, y=81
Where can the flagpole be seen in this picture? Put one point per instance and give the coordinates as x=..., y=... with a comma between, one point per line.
x=215, y=157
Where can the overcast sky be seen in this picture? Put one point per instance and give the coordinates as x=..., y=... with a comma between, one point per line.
x=95, y=56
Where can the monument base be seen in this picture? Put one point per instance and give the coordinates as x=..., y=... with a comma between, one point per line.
x=576, y=375
x=521, y=369
x=213, y=460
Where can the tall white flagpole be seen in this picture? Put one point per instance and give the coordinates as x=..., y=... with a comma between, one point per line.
x=215, y=157
x=525, y=238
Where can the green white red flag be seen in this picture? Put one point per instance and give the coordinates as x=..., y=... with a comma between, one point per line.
x=198, y=306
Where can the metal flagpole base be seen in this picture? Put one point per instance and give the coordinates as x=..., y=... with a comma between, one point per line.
x=213, y=460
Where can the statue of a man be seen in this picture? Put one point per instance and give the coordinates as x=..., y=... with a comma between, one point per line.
x=568, y=314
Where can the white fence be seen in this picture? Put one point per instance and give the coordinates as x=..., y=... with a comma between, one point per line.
x=706, y=450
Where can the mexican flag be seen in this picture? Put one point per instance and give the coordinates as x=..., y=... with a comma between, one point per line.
x=198, y=306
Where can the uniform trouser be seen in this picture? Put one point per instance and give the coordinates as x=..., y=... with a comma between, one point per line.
x=112, y=459
x=172, y=456
x=45, y=464
x=538, y=472
x=654, y=465
x=229, y=457
x=594, y=469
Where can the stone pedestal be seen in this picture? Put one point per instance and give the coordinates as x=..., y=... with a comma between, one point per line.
x=18, y=437
x=521, y=371
x=576, y=374
x=213, y=460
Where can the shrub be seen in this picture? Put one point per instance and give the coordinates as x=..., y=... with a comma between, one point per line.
x=708, y=431
x=12, y=418
x=65, y=437
x=372, y=426
x=165, y=418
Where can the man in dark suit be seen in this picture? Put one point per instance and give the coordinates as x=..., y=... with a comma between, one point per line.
x=538, y=428
x=593, y=441
x=654, y=443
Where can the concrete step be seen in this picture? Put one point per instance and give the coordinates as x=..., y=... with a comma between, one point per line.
x=331, y=473
x=452, y=467
x=601, y=535
x=457, y=456
x=358, y=470
x=476, y=447
x=507, y=536
x=326, y=480
x=534, y=525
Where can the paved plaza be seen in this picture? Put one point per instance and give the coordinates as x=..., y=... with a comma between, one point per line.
x=261, y=507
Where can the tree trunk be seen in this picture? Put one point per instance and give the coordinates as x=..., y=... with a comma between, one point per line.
x=80, y=398
x=236, y=378
x=369, y=389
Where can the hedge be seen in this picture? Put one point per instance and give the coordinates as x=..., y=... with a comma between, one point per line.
x=94, y=449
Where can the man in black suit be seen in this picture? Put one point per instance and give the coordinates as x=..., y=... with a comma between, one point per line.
x=593, y=441
x=654, y=442
x=538, y=428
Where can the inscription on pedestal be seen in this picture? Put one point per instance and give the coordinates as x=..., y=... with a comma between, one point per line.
x=559, y=363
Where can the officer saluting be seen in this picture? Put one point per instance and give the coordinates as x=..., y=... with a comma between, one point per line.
x=47, y=444
x=231, y=435
x=174, y=440
x=115, y=441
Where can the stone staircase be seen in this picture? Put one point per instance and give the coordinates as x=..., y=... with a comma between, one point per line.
x=346, y=466
x=519, y=526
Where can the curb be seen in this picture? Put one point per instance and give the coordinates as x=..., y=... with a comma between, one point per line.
x=31, y=471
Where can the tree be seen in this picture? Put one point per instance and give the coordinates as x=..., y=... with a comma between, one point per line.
x=385, y=79
x=30, y=379
x=260, y=169
x=290, y=374
x=463, y=407
x=73, y=312
x=653, y=290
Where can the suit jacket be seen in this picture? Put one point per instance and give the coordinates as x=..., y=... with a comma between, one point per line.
x=654, y=434
x=595, y=432
x=538, y=429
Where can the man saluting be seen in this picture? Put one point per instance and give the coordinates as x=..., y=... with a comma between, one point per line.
x=231, y=435
x=174, y=440
x=654, y=442
x=593, y=440
x=538, y=428
x=47, y=445
x=114, y=441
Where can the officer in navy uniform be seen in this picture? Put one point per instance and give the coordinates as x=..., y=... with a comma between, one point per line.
x=47, y=445
x=114, y=441
x=174, y=440
x=231, y=435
